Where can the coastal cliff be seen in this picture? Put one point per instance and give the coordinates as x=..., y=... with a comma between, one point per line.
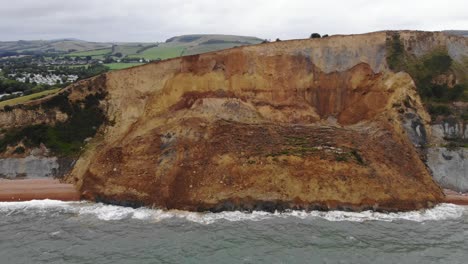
x=305, y=124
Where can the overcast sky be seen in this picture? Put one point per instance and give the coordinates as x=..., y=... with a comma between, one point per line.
x=157, y=20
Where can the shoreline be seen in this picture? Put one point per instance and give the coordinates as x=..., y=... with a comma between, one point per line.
x=40, y=189
x=455, y=197
x=36, y=189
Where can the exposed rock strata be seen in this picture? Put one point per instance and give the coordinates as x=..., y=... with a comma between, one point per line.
x=318, y=123
x=34, y=167
x=299, y=124
x=19, y=117
x=449, y=167
x=447, y=162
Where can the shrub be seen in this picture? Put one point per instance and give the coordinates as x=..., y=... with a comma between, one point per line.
x=7, y=108
x=456, y=92
x=435, y=110
x=357, y=156
x=464, y=116
x=19, y=150
x=395, y=55
x=67, y=138
x=423, y=71
x=315, y=35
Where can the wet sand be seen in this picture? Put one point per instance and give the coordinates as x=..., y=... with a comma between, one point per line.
x=456, y=198
x=36, y=189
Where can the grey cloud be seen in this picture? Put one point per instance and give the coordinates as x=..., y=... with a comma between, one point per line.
x=156, y=20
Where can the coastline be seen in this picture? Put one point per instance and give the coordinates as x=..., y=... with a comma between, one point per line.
x=455, y=198
x=53, y=189
x=36, y=189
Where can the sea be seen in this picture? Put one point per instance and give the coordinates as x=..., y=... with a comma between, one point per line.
x=48, y=231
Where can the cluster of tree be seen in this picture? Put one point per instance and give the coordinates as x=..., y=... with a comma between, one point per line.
x=317, y=35
x=64, y=138
x=8, y=53
x=19, y=69
x=128, y=60
x=423, y=71
x=14, y=53
x=313, y=35
x=11, y=87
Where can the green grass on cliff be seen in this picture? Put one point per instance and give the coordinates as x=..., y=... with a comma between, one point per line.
x=121, y=65
x=65, y=138
x=425, y=69
x=437, y=97
x=26, y=98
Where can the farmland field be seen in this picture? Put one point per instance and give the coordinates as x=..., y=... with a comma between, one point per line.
x=161, y=52
x=97, y=52
x=121, y=65
x=128, y=49
x=26, y=98
x=208, y=48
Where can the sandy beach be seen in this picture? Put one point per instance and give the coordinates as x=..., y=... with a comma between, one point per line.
x=36, y=189
x=456, y=198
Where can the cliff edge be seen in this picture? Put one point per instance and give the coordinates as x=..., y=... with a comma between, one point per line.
x=303, y=124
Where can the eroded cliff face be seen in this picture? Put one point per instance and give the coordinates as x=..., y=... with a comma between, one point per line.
x=298, y=124
x=43, y=138
x=319, y=123
x=446, y=160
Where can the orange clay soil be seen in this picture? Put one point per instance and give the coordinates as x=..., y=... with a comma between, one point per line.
x=261, y=127
x=36, y=189
x=305, y=124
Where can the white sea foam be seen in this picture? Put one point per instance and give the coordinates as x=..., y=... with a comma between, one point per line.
x=107, y=212
x=440, y=212
x=34, y=204
x=115, y=213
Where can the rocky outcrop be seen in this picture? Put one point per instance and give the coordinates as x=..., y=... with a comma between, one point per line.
x=449, y=167
x=297, y=124
x=447, y=154
x=19, y=117
x=34, y=167
x=449, y=129
x=311, y=124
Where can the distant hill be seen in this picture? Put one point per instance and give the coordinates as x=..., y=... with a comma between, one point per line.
x=196, y=44
x=193, y=44
x=457, y=32
x=49, y=46
x=173, y=47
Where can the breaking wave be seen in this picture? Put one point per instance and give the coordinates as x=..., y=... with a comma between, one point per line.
x=114, y=213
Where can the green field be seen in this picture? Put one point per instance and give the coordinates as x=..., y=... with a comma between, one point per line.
x=160, y=52
x=26, y=98
x=128, y=49
x=173, y=47
x=208, y=48
x=121, y=65
x=98, y=52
